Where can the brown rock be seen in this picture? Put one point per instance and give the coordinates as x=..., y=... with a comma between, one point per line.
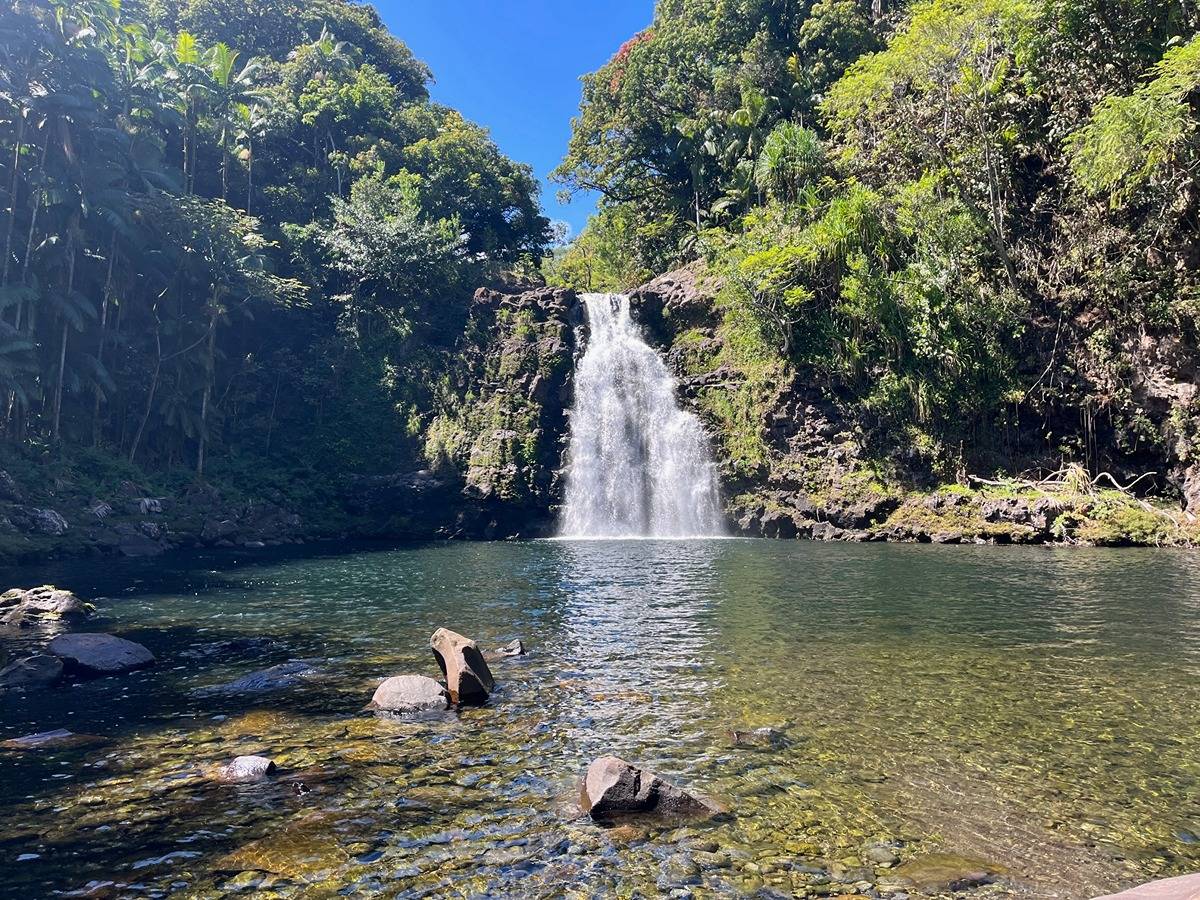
x=1186, y=887
x=468, y=678
x=938, y=872
x=613, y=788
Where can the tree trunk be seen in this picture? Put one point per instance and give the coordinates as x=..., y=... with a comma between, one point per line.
x=141, y=429
x=112, y=259
x=210, y=366
x=66, y=333
x=249, y=175
x=12, y=195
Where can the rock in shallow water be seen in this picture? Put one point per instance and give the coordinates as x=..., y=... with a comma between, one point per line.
x=937, y=872
x=1186, y=887
x=409, y=693
x=246, y=770
x=468, y=678
x=613, y=788
x=51, y=740
x=99, y=654
x=276, y=678
x=32, y=672
x=39, y=606
x=508, y=651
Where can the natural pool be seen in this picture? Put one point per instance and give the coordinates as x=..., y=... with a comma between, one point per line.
x=1035, y=708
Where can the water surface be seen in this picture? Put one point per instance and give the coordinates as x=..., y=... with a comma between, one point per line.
x=1036, y=708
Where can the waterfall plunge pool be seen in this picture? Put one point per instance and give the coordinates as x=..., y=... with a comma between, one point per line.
x=1033, y=707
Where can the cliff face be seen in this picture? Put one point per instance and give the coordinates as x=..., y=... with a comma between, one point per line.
x=797, y=460
x=500, y=430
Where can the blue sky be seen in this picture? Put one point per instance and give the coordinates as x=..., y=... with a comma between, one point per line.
x=513, y=66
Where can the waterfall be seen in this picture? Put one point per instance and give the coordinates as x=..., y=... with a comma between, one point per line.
x=639, y=466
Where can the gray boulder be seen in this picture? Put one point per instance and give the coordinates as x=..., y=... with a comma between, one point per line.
x=58, y=739
x=32, y=672
x=409, y=693
x=246, y=770
x=99, y=654
x=613, y=788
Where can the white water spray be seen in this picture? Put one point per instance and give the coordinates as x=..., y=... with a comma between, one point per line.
x=639, y=466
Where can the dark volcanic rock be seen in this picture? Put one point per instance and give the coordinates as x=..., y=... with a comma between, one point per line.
x=99, y=654
x=468, y=678
x=409, y=693
x=32, y=672
x=613, y=788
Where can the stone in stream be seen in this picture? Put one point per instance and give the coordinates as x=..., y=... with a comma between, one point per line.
x=246, y=770
x=1185, y=887
x=31, y=672
x=276, y=678
x=765, y=738
x=613, y=788
x=468, y=678
x=39, y=606
x=939, y=872
x=508, y=651
x=99, y=654
x=408, y=694
x=51, y=740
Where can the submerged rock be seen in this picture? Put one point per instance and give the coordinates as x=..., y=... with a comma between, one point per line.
x=938, y=872
x=508, y=651
x=409, y=693
x=31, y=672
x=51, y=740
x=99, y=654
x=39, y=606
x=766, y=738
x=246, y=770
x=468, y=678
x=1186, y=887
x=613, y=788
x=276, y=678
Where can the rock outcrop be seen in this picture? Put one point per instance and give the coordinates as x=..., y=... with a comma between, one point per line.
x=96, y=655
x=613, y=788
x=409, y=694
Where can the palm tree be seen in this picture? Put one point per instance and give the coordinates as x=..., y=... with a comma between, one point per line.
x=791, y=158
x=232, y=89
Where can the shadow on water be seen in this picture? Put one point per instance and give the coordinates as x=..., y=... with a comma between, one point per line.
x=1034, y=707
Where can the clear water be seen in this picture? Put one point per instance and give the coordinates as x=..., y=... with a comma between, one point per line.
x=1037, y=708
x=639, y=466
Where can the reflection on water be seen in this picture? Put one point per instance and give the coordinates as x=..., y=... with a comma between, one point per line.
x=1036, y=708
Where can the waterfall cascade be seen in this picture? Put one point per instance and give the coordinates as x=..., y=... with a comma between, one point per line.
x=639, y=466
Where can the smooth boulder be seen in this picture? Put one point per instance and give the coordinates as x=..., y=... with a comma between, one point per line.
x=409, y=693
x=468, y=678
x=613, y=788
x=246, y=770
x=1185, y=887
x=31, y=672
x=99, y=654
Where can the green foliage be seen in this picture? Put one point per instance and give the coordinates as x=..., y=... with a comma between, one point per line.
x=1147, y=136
x=227, y=222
